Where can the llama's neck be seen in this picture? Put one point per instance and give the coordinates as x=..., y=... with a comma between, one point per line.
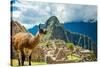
x=37, y=37
x=35, y=40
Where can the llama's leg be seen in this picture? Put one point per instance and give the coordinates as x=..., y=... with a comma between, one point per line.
x=30, y=60
x=19, y=62
x=19, y=59
x=22, y=58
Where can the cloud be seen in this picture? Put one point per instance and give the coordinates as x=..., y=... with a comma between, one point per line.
x=33, y=13
x=59, y=10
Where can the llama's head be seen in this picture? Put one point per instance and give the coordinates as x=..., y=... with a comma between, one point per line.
x=42, y=32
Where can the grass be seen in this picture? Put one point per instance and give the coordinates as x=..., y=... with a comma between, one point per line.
x=73, y=57
x=15, y=63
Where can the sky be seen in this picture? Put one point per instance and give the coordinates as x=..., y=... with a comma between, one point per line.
x=29, y=13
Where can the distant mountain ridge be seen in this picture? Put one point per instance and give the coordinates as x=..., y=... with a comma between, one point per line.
x=88, y=29
x=34, y=29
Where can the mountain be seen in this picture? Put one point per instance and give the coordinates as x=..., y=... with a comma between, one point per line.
x=35, y=29
x=88, y=29
x=17, y=27
x=55, y=29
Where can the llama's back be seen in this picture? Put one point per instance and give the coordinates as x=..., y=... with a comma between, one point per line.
x=21, y=39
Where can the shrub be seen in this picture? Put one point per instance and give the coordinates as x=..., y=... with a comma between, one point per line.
x=70, y=46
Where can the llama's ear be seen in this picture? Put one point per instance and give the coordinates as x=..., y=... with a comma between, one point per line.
x=41, y=31
x=45, y=31
x=39, y=26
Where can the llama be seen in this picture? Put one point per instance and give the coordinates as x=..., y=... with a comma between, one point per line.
x=24, y=43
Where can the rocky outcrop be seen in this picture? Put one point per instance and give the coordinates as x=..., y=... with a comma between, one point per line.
x=17, y=27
